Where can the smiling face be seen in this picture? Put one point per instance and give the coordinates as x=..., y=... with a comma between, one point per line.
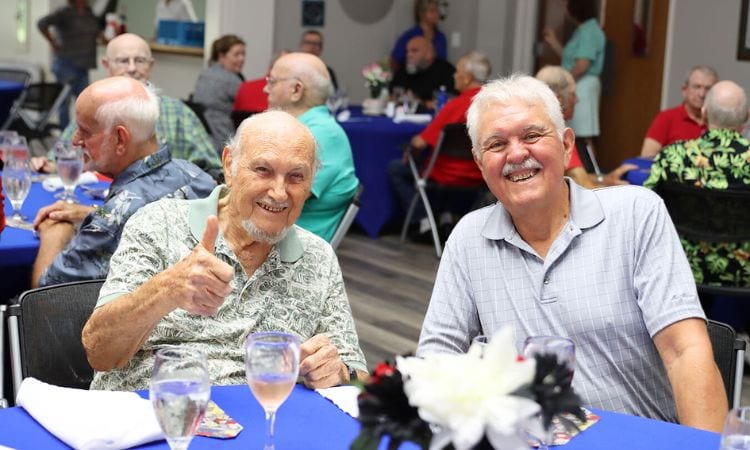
x=272, y=177
x=522, y=157
x=234, y=59
x=128, y=55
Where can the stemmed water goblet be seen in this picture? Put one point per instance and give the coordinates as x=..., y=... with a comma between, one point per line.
x=736, y=433
x=69, y=167
x=179, y=391
x=272, y=367
x=16, y=185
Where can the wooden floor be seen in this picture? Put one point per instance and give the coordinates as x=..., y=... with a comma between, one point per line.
x=389, y=286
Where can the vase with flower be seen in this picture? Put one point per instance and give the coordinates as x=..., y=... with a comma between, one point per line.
x=377, y=76
x=487, y=398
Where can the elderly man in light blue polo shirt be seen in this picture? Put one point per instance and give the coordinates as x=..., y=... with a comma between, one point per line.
x=299, y=84
x=603, y=267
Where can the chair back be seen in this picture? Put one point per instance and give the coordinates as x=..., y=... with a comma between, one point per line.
x=240, y=114
x=729, y=356
x=41, y=99
x=45, y=334
x=454, y=141
x=349, y=216
x=19, y=75
x=198, y=109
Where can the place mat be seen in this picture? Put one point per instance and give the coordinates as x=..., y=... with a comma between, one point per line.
x=28, y=226
x=563, y=435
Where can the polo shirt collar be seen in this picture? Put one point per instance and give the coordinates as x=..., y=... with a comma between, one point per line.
x=585, y=212
x=139, y=168
x=290, y=248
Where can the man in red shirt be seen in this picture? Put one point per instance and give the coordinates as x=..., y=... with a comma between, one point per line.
x=684, y=121
x=472, y=71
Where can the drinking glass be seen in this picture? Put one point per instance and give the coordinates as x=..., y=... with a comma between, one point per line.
x=15, y=149
x=736, y=434
x=563, y=348
x=69, y=167
x=180, y=389
x=6, y=138
x=333, y=102
x=272, y=367
x=16, y=185
x=481, y=341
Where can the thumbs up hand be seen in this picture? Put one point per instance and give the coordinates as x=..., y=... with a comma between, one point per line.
x=202, y=280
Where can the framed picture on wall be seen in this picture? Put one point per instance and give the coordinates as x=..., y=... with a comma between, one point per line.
x=743, y=41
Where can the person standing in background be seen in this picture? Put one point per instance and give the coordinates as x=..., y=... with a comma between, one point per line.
x=583, y=57
x=426, y=19
x=217, y=86
x=73, y=44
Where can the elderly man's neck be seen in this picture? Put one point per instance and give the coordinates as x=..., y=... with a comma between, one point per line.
x=540, y=225
x=300, y=108
x=145, y=148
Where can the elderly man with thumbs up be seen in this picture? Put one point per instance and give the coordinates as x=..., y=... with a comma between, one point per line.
x=205, y=273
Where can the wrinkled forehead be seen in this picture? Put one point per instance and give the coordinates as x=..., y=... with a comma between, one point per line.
x=285, y=145
x=128, y=48
x=698, y=78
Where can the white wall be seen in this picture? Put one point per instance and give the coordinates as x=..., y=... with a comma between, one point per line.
x=38, y=49
x=702, y=32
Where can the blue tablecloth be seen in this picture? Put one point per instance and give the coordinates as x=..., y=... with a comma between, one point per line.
x=308, y=421
x=18, y=248
x=375, y=142
x=9, y=91
x=639, y=175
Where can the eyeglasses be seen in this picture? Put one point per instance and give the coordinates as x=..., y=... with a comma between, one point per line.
x=138, y=61
x=273, y=80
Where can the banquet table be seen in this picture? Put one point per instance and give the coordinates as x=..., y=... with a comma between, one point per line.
x=638, y=176
x=309, y=421
x=18, y=248
x=376, y=141
x=9, y=91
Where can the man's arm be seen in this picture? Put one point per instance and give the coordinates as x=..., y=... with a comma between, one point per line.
x=53, y=238
x=650, y=147
x=198, y=284
x=696, y=382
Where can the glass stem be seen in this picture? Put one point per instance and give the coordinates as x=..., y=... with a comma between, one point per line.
x=270, y=419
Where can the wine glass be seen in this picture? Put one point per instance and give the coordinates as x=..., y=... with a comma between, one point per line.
x=69, y=166
x=272, y=367
x=6, y=139
x=563, y=348
x=333, y=102
x=736, y=434
x=16, y=185
x=179, y=391
x=481, y=341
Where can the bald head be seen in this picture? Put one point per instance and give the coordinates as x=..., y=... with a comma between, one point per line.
x=128, y=55
x=726, y=106
x=419, y=54
x=563, y=85
x=298, y=82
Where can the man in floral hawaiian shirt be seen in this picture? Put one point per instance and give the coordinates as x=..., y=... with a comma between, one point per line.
x=719, y=159
x=116, y=119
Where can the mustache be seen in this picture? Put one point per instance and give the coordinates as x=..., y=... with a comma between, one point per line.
x=267, y=201
x=527, y=164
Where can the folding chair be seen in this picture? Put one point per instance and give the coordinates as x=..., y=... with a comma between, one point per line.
x=729, y=354
x=3, y=400
x=19, y=74
x=454, y=141
x=346, y=221
x=44, y=330
x=709, y=215
x=30, y=115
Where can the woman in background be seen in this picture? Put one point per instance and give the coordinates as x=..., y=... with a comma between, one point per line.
x=217, y=86
x=583, y=57
x=426, y=19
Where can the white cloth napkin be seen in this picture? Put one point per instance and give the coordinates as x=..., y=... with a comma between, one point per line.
x=102, y=420
x=413, y=118
x=345, y=397
x=54, y=183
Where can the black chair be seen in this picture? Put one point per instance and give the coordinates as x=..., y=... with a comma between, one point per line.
x=349, y=216
x=198, y=109
x=44, y=330
x=239, y=115
x=19, y=74
x=709, y=215
x=31, y=113
x=729, y=354
x=454, y=141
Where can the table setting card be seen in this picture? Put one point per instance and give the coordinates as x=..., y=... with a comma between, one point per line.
x=563, y=435
x=217, y=424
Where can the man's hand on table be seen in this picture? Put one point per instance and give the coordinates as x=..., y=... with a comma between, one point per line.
x=320, y=365
x=54, y=231
x=201, y=281
x=61, y=211
x=42, y=164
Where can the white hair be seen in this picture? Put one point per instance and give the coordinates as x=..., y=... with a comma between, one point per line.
x=137, y=113
x=726, y=106
x=503, y=91
x=478, y=65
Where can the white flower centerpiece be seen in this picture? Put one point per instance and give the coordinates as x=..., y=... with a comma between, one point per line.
x=487, y=397
x=377, y=76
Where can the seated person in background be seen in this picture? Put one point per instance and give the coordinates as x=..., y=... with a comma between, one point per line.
x=251, y=96
x=423, y=73
x=177, y=127
x=426, y=19
x=564, y=86
x=718, y=159
x=472, y=70
x=603, y=267
x=312, y=42
x=299, y=84
x=217, y=86
x=684, y=121
x=116, y=118
x=206, y=273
